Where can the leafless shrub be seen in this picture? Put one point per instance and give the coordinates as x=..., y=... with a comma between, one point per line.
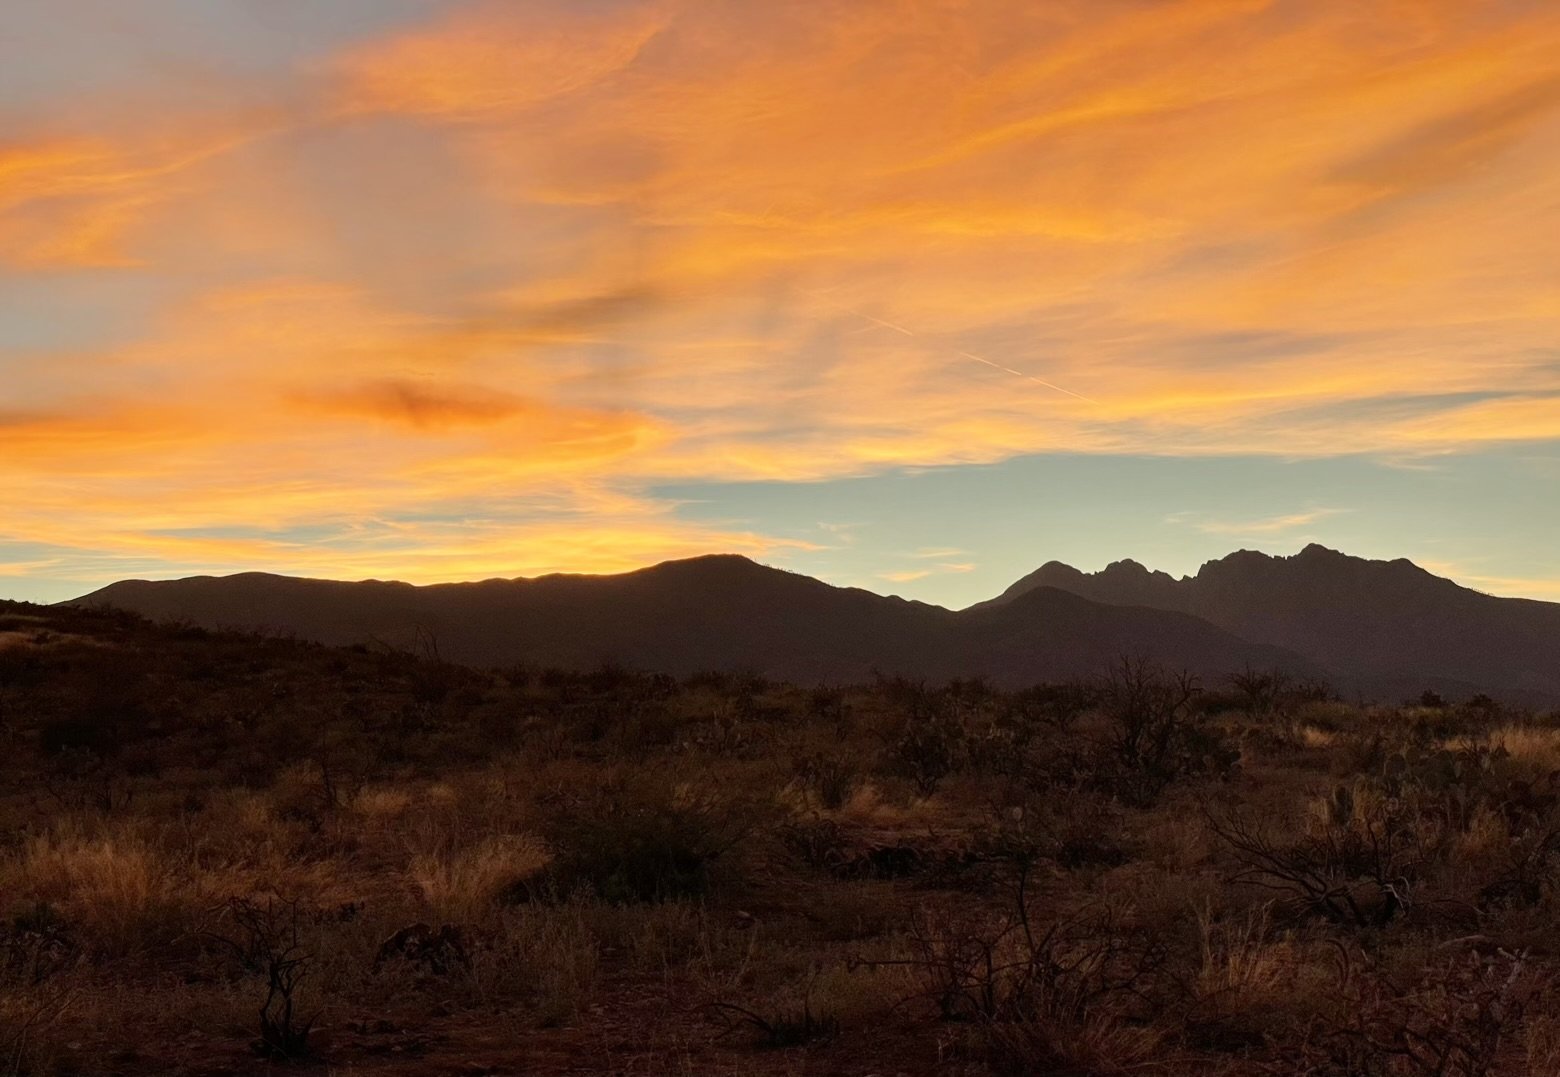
x=1352, y=868
x=783, y=1026
x=1155, y=737
x=264, y=940
x=1452, y=1023
x=1045, y=994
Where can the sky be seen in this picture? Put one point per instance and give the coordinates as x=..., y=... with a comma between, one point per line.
x=912, y=295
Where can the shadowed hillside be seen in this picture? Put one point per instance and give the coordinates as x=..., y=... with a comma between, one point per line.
x=1359, y=618
x=708, y=613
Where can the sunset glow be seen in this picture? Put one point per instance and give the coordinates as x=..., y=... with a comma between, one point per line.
x=447, y=290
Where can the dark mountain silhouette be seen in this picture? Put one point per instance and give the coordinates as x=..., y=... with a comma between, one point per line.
x=1381, y=629
x=707, y=613
x=1365, y=620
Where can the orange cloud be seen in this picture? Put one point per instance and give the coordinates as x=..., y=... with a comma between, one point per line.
x=423, y=407
x=76, y=201
x=491, y=57
x=519, y=263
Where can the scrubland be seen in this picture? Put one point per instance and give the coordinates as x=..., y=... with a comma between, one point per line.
x=233, y=854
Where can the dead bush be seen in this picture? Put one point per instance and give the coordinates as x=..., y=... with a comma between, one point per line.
x=1155, y=736
x=1059, y=993
x=263, y=938
x=1355, y=865
x=1452, y=1023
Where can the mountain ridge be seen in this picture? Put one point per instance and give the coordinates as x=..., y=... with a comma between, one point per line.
x=1357, y=616
x=1378, y=627
x=721, y=611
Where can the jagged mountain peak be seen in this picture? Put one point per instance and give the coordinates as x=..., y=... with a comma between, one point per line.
x=1352, y=614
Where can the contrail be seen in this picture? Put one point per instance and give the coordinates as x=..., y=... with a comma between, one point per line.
x=959, y=352
x=1029, y=377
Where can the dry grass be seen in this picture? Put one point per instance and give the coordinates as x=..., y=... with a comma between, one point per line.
x=696, y=852
x=464, y=884
x=1534, y=744
x=128, y=895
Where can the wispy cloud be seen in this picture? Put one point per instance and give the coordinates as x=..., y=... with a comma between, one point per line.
x=519, y=264
x=29, y=568
x=940, y=569
x=1267, y=525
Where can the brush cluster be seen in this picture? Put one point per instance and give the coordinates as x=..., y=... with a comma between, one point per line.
x=223, y=851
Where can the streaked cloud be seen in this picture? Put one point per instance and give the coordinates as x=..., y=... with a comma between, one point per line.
x=938, y=553
x=514, y=265
x=911, y=574
x=1267, y=525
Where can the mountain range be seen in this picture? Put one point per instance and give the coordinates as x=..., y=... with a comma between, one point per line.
x=1381, y=629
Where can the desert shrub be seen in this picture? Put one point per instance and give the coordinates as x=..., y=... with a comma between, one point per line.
x=1369, y=846
x=1517, y=836
x=847, y=852
x=1260, y=691
x=829, y=705
x=1473, y=804
x=782, y=1022
x=82, y=780
x=1154, y=736
x=644, y=839
x=1059, y=995
x=35, y=944
x=1051, y=706
x=1453, y=1022
x=647, y=725
x=1355, y=864
x=727, y=734
x=927, y=749
x=263, y=938
x=830, y=778
x=820, y=844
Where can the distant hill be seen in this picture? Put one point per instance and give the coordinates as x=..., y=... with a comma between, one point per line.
x=707, y=613
x=1365, y=620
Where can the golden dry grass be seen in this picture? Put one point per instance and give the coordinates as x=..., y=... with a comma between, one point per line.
x=341, y=785
x=462, y=884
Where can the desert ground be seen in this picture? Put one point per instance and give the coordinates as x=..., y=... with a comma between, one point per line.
x=228, y=853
